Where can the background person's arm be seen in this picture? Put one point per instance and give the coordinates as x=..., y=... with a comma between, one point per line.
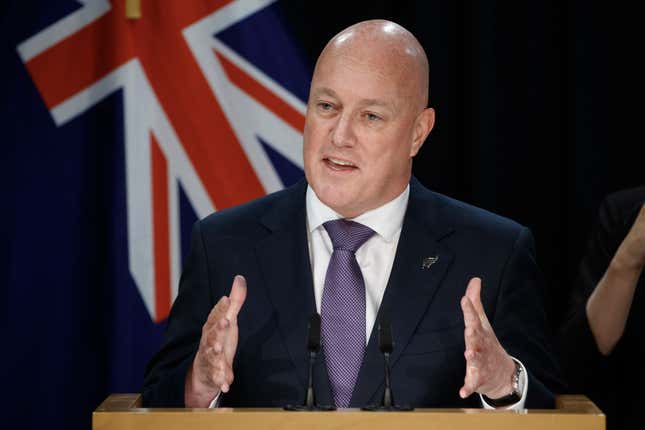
x=608, y=306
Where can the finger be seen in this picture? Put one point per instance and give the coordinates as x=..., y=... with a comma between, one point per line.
x=473, y=339
x=218, y=367
x=208, y=364
x=213, y=354
x=471, y=318
x=219, y=380
x=474, y=294
x=219, y=311
x=472, y=327
x=228, y=380
x=470, y=340
x=213, y=350
x=472, y=357
x=218, y=332
x=214, y=328
x=470, y=382
x=237, y=296
x=223, y=377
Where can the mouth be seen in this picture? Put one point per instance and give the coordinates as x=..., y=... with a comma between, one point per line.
x=339, y=165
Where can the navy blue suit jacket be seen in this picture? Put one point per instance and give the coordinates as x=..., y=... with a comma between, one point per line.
x=266, y=241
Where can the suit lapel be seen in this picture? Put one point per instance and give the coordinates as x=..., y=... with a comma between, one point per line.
x=283, y=257
x=411, y=287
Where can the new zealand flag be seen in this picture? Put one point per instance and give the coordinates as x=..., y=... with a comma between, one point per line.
x=124, y=121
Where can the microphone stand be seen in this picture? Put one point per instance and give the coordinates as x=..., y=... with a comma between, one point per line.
x=387, y=394
x=309, y=399
x=386, y=346
x=313, y=346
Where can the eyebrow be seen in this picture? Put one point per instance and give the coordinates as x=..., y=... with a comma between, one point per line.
x=325, y=91
x=363, y=102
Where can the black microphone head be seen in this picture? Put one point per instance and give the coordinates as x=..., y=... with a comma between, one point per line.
x=385, y=342
x=313, y=337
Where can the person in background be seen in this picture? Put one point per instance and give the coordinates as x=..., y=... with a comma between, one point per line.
x=601, y=340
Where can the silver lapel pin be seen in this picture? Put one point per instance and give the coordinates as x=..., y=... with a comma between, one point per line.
x=429, y=261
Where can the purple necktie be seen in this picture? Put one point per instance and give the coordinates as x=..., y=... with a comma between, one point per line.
x=343, y=308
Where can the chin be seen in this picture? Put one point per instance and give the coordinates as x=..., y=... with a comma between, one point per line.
x=339, y=202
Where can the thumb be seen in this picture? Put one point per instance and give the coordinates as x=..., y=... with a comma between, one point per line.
x=237, y=297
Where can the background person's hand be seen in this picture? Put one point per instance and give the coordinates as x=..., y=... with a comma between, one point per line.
x=212, y=369
x=489, y=369
x=631, y=253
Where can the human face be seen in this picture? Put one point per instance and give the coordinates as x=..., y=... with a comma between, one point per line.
x=361, y=132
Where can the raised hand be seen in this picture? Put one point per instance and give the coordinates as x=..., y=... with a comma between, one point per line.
x=489, y=369
x=631, y=253
x=212, y=369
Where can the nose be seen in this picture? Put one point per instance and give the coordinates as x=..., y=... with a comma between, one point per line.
x=342, y=132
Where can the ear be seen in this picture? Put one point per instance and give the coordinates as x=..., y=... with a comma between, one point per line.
x=422, y=127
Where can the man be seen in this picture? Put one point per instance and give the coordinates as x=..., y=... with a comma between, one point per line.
x=604, y=329
x=359, y=239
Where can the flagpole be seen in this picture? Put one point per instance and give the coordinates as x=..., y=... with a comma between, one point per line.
x=133, y=9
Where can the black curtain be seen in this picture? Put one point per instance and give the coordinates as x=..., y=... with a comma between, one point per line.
x=538, y=108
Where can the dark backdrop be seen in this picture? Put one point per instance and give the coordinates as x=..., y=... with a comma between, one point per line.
x=538, y=108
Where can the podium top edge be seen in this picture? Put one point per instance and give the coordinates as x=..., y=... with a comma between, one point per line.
x=565, y=404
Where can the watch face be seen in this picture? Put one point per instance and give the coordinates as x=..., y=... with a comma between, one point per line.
x=518, y=381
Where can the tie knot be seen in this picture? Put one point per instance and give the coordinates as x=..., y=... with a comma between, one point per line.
x=348, y=235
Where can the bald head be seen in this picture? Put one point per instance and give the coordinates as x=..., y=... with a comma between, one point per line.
x=386, y=47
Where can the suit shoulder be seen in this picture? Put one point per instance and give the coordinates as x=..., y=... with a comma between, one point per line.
x=470, y=218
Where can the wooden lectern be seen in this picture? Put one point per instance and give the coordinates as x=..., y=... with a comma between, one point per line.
x=123, y=411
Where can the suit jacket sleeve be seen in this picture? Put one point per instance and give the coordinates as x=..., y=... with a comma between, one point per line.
x=520, y=323
x=165, y=375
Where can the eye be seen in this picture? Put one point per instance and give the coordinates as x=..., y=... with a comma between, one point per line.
x=324, y=106
x=372, y=117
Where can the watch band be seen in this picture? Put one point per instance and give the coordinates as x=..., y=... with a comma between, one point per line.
x=507, y=400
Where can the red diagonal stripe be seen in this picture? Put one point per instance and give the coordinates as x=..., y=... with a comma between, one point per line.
x=161, y=230
x=83, y=58
x=261, y=94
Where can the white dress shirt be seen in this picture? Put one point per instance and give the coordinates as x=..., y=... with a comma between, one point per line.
x=375, y=257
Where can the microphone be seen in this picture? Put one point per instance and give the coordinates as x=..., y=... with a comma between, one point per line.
x=313, y=347
x=386, y=346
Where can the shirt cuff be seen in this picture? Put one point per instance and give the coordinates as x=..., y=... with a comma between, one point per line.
x=524, y=383
x=215, y=402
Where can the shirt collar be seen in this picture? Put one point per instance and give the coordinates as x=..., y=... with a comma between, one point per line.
x=385, y=220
